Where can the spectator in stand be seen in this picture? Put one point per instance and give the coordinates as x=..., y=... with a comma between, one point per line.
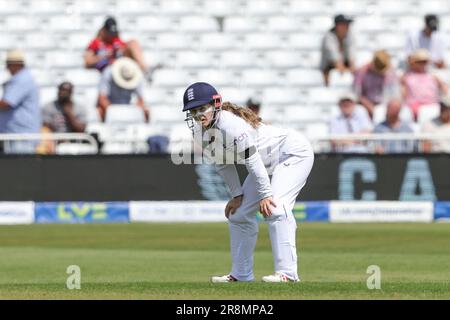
x=19, y=106
x=119, y=83
x=376, y=81
x=441, y=126
x=108, y=46
x=63, y=114
x=430, y=39
x=393, y=125
x=420, y=87
x=351, y=120
x=338, y=48
x=254, y=105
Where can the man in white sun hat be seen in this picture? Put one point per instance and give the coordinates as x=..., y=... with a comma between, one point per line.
x=119, y=83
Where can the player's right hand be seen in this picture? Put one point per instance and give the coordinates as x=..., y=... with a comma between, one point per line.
x=232, y=206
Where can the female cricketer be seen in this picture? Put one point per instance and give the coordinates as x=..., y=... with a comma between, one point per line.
x=278, y=162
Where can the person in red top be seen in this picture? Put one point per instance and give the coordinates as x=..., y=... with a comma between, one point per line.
x=107, y=47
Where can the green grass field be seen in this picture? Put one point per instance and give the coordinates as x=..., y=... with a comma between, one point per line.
x=175, y=261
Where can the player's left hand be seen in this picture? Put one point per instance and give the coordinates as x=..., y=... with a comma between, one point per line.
x=232, y=206
x=265, y=206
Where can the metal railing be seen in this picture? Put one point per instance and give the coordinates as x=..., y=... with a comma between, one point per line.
x=75, y=143
x=382, y=143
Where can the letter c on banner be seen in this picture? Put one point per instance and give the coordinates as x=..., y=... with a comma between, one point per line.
x=347, y=171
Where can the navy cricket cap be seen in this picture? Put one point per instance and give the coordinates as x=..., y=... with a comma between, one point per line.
x=111, y=25
x=198, y=94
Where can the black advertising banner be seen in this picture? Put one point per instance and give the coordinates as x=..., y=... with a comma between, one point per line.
x=144, y=177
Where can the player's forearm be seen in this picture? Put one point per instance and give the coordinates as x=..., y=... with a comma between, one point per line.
x=229, y=174
x=256, y=168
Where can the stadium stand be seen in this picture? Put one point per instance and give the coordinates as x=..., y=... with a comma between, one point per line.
x=263, y=47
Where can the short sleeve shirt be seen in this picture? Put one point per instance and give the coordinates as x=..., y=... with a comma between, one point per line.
x=53, y=117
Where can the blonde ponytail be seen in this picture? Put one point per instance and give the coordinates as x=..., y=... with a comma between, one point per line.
x=244, y=113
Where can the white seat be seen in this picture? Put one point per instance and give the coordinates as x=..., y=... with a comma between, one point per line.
x=164, y=114
x=235, y=95
x=305, y=41
x=40, y=41
x=284, y=59
x=363, y=57
x=408, y=23
x=193, y=59
x=173, y=41
x=406, y=115
x=118, y=148
x=170, y=78
x=199, y=24
x=298, y=114
x=279, y=96
x=240, y=24
x=262, y=7
x=64, y=59
x=153, y=23
x=427, y=113
x=307, y=7
x=316, y=130
x=47, y=95
x=390, y=41
x=324, y=96
x=44, y=77
x=215, y=77
x=47, y=7
x=178, y=7
x=8, y=7
x=154, y=96
x=338, y=80
x=21, y=23
x=260, y=78
x=79, y=40
x=373, y=23
x=272, y=114
x=433, y=6
x=218, y=41
x=238, y=59
x=350, y=7
x=220, y=8
x=8, y=41
x=75, y=148
x=395, y=8
x=135, y=7
x=319, y=24
x=379, y=113
x=96, y=7
x=65, y=23
x=82, y=77
x=283, y=24
x=263, y=41
x=180, y=139
x=124, y=114
x=305, y=77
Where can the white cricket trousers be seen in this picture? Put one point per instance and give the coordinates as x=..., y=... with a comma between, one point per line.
x=288, y=179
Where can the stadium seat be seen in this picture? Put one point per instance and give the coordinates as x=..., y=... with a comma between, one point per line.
x=305, y=41
x=219, y=8
x=319, y=24
x=307, y=7
x=379, y=113
x=79, y=40
x=305, y=77
x=390, y=41
x=47, y=95
x=44, y=77
x=263, y=41
x=241, y=24
x=279, y=96
x=170, y=78
x=154, y=96
x=198, y=24
x=135, y=7
x=219, y=41
x=302, y=114
x=324, y=95
x=180, y=139
x=427, y=113
x=235, y=95
x=260, y=78
x=340, y=80
x=82, y=77
x=373, y=23
x=408, y=23
x=363, y=57
x=350, y=7
x=96, y=7
x=395, y=8
x=215, y=77
x=124, y=114
x=274, y=115
x=21, y=23
x=8, y=7
x=238, y=59
x=172, y=41
x=283, y=24
x=167, y=114
x=440, y=7
x=316, y=130
x=178, y=7
x=48, y=7
x=65, y=23
x=193, y=59
x=61, y=59
x=284, y=59
x=262, y=7
x=154, y=23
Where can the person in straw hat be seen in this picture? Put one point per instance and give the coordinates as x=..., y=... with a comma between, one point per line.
x=421, y=87
x=119, y=83
x=19, y=106
x=375, y=81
